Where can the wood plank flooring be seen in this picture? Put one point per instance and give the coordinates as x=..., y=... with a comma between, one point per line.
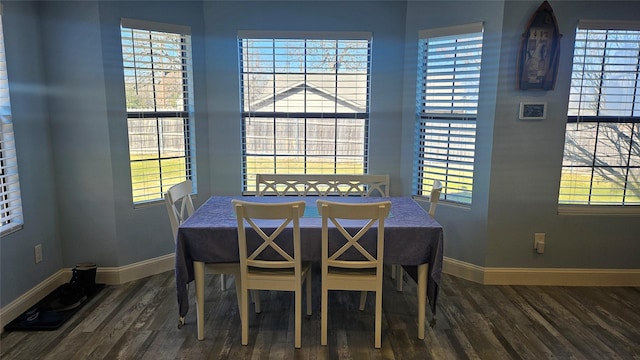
x=138, y=320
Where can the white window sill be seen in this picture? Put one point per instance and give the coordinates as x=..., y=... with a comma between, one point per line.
x=11, y=230
x=629, y=210
x=425, y=200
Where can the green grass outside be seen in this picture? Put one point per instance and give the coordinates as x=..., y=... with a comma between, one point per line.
x=575, y=189
x=146, y=178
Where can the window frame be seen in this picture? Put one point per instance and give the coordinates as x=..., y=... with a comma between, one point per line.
x=11, y=215
x=357, y=119
x=164, y=117
x=441, y=123
x=582, y=114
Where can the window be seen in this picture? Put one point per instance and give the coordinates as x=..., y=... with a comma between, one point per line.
x=305, y=103
x=601, y=164
x=158, y=88
x=10, y=201
x=447, y=105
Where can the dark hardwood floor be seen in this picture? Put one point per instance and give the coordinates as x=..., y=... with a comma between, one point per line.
x=138, y=320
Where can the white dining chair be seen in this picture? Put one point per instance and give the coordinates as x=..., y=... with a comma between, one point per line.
x=434, y=198
x=361, y=275
x=284, y=271
x=180, y=208
x=330, y=185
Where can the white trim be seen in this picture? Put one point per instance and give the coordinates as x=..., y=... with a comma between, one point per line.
x=609, y=24
x=448, y=203
x=542, y=276
x=106, y=275
x=30, y=298
x=155, y=26
x=629, y=210
x=451, y=30
x=562, y=277
x=463, y=270
x=313, y=35
x=135, y=271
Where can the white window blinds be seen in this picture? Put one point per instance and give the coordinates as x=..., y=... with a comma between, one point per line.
x=305, y=103
x=10, y=201
x=449, y=62
x=158, y=87
x=601, y=164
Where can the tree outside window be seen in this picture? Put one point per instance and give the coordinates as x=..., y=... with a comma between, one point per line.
x=601, y=164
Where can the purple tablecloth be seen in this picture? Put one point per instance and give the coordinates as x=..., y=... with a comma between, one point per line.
x=412, y=238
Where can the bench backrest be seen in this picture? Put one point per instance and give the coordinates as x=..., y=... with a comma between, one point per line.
x=322, y=185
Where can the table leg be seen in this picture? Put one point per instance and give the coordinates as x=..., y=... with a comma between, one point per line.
x=422, y=298
x=198, y=274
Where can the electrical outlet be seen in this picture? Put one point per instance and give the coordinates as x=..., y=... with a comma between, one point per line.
x=538, y=242
x=38, y=253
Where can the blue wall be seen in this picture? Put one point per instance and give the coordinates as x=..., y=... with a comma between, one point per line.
x=527, y=156
x=32, y=130
x=466, y=233
x=66, y=81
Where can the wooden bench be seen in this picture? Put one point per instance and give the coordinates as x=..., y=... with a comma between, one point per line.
x=322, y=185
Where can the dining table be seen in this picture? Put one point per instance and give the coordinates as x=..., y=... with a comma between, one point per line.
x=413, y=239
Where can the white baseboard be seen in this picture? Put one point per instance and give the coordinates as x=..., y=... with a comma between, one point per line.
x=30, y=298
x=139, y=270
x=461, y=269
x=106, y=275
x=542, y=276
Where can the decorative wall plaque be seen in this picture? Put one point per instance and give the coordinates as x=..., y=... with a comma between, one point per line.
x=539, y=51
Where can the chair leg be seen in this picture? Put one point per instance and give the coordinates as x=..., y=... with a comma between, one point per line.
x=255, y=295
x=308, y=286
x=378, y=326
x=223, y=283
x=323, y=314
x=399, y=278
x=363, y=299
x=298, y=316
x=393, y=271
x=256, y=300
x=244, y=314
x=238, y=282
x=198, y=270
